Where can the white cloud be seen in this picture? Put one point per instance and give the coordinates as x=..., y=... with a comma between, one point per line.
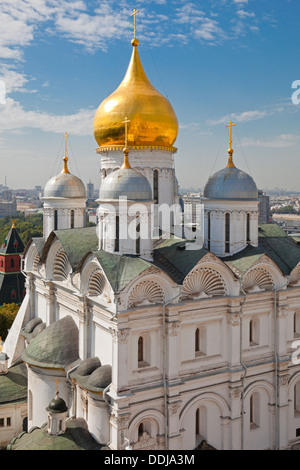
x=13, y=117
x=246, y=116
x=280, y=141
x=245, y=14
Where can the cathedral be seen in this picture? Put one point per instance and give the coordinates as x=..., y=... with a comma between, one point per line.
x=131, y=337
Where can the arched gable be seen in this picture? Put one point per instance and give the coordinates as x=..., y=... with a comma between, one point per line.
x=57, y=266
x=264, y=275
x=151, y=287
x=210, y=277
x=32, y=259
x=93, y=279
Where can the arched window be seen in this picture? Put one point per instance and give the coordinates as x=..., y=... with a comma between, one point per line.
x=55, y=220
x=201, y=424
x=12, y=263
x=208, y=231
x=254, y=332
x=72, y=219
x=254, y=410
x=117, y=239
x=155, y=186
x=296, y=324
x=200, y=341
x=297, y=399
x=143, y=352
x=248, y=229
x=141, y=430
x=140, y=349
x=227, y=232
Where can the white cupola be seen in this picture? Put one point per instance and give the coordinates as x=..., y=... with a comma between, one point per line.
x=230, y=209
x=125, y=212
x=64, y=201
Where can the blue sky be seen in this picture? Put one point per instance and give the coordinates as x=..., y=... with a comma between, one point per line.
x=214, y=60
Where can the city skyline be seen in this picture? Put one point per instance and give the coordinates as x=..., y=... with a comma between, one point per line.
x=215, y=61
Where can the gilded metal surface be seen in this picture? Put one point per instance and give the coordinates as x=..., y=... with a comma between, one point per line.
x=153, y=121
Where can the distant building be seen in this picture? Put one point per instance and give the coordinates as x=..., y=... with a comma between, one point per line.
x=12, y=281
x=90, y=190
x=8, y=208
x=263, y=208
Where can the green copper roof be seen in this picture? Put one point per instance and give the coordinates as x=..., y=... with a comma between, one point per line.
x=177, y=257
x=76, y=437
x=76, y=243
x=273, y=242
x=121, y=270
x=13, y=385
x=56, y=347
x=174, y=256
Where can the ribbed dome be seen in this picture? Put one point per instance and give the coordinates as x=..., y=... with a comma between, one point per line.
x=65, y=185
x=230, y=183
x=153, y=121
x=126, y=182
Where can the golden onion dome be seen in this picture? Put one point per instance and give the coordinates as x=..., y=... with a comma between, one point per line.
x=153, y=122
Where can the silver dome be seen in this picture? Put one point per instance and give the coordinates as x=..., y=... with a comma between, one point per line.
x=65, y=185
x=126, y=182
x=230, y=183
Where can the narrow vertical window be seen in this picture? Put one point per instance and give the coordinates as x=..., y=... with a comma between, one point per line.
x=12, y=263
x=200, y=341
x=55, y=220
x=201, y=424
x=72, y=219
x=155, y=186
x=140, y=349
x=296, y=324
x=254, y=332
x=197, y=340
x=248, y=229
x=197, y=422
x=227, y=233
x=117, y=239
x=254, y=410
x=141, y=430
x=297, y=399
x=208, y=231
x=138, y=237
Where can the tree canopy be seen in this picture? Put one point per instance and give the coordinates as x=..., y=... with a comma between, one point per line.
x=8, y=313
x=27, y=227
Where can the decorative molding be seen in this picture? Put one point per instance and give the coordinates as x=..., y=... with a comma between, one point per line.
x=234, y=318
x=282, y=311
x=120, y=421
x=96, y=283
x=258, y=279
x=146, y=293
x=203, y=282
x=119, y=336
x=235, y=392
x=145, y=441
x=173, y=328
x=174, y=407
x=283, y=380
x=61, y=266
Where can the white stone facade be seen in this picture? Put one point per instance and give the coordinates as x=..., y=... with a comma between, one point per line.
x=63, y=213
x=209, y=359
